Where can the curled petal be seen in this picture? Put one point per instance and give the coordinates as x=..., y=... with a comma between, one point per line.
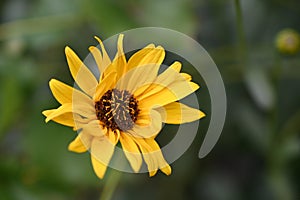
x=65, y=108
x=150, y=130
x=64, y=119
x=94, y=128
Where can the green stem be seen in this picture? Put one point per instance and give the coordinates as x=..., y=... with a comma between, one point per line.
x=39, y=25
x=111, y=185
x=240, y=26
x=240, y=30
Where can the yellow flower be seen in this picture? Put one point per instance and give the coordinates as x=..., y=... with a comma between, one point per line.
x=128, y=104
x=288, y=41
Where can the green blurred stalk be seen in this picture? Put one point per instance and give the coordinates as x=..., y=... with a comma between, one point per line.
x=111, y=185
x=39, y=25
x=240, y=31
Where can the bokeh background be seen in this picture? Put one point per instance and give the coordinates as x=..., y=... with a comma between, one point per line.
x=257, y=156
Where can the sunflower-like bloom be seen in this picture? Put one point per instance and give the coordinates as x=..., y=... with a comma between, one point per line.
x=288, y=41
x=128, y=104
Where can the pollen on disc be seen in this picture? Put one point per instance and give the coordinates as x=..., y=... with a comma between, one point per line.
x=117, y=109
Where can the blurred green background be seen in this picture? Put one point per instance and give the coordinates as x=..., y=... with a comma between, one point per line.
x=257, y=156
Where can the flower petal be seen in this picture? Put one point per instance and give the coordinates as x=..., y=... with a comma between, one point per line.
x=163, y=165
x=131, y=152
x=176, y=66
x=81, y=74
x=105, y=59
x=150, y=130
x=84, y=109
x=101, y=152
x=168, y=78
x=81, y=109
x=149, y=59
x=178, y=113
x=120, y=60
x=147, y=55
x=97, y=57
x=81, y=143
x=68, y=119
x=94, y=128
x=144, y=118
x=160, y=95
x=153, y=156
x=64, y=119
x=98, y=167
x=186, y=76
x=64, y=93
x=106, y=84
x=65, y=108
x=137, y=77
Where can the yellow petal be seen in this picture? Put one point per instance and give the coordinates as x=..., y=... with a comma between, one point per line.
x=164, y=95
x=131, y=152
x=163, y=165
x=81, y=109
x=64, y=93
x=120, y=60
x=178, y=113
x=113, y=136
x=137, y=77
x=144, y=117
x=106, y=84
x=176, y=66
x=97, y=57
x=105, y=59
x=94, y=128
x=65, y=108
x=68, y=118
x=84, y=109
x=64, y=119
x=150, y=130
x=81, y=143
x=186, y=76
x=169, y=78
x=81, y=74
x=150, y=160
x=98, y=167
x=147, y=55
x=153, y=156
x=101, y=152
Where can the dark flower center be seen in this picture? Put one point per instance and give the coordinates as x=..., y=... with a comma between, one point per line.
x=117, y=109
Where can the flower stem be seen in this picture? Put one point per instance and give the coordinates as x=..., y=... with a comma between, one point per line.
x=242, y=47
x=111, y=185
x=240, y=28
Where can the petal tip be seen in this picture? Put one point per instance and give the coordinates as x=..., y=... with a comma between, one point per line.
x=67, y=49
x=201, y=114
x=152, y=173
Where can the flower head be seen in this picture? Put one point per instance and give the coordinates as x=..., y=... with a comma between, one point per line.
x=288, y=41
x=126, y=105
